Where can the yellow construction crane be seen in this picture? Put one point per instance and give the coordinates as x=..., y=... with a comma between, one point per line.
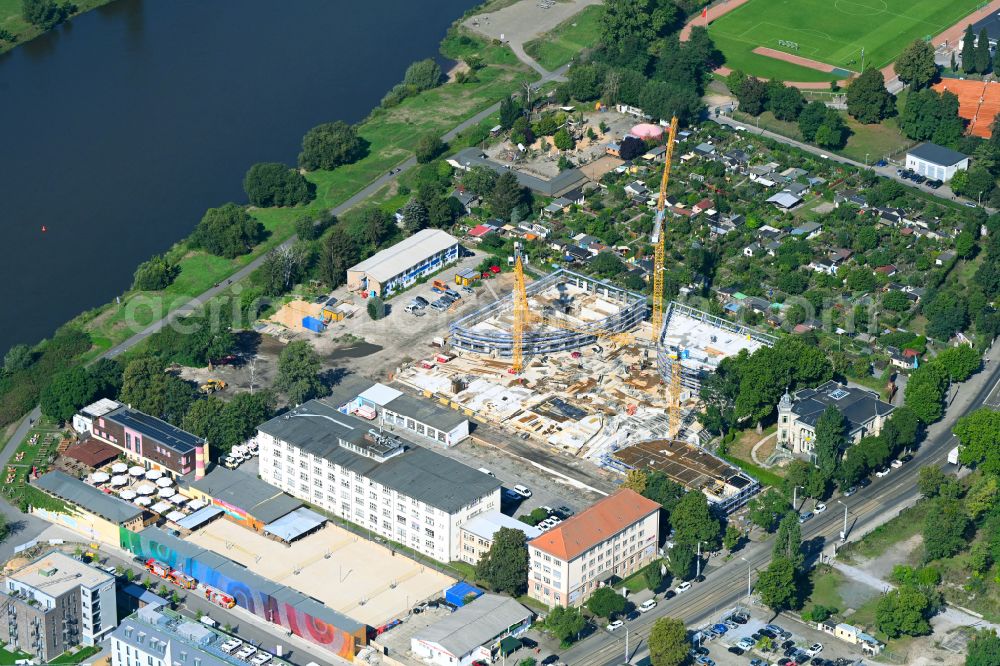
x=521, y=313
x=658, y=235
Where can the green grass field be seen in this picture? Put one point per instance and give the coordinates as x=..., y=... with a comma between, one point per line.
x=832, y=32
x=556, y=48
x=12, y=21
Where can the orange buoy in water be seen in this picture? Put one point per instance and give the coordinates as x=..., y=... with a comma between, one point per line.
x=44, y=229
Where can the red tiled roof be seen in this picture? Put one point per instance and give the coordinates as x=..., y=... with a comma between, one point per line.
x=92, y=452
x=480, y=230
x=596, y=524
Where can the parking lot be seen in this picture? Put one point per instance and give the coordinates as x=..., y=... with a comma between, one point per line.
x=749, y=639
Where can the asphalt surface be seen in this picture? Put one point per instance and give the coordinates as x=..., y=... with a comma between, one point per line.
x=725, y=585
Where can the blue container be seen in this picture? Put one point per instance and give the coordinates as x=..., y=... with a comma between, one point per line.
x=313, y=324
x=457, y=593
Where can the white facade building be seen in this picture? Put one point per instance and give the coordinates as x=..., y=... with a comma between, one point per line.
x=936, y=162
x=83, y=421
x=398, y=490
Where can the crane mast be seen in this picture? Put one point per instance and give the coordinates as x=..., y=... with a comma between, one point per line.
x=657, y=236
x=520, y=314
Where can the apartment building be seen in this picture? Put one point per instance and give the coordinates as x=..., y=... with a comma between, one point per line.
x=611, y=539
x=56, y=603
x=477, y=535
x=150, y=442
x=377, y=480
x=156, y=636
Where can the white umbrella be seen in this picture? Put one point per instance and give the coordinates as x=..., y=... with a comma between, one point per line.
x=194, y=505
x=166, y=492
x=178, y=499
x=143, y=501
x=160, y=507
x=119, y=468
x=137, y=470
x=119, y=480
x=175, y=516
x=100, y=477
x=146, y=489
x=165, y=482
x=153, y=474
x=127, y=495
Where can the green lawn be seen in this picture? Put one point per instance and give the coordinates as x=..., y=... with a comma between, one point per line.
x=908, y=523
x=8, y=657
x=76, y=657
x=556, y=48
x=12, y=21
x=830, y=32
x=391, y=134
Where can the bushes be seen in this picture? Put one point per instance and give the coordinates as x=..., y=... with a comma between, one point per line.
x=155, y=274
x=423, y=75
x=274, y=184
x=330, y=145
x=428, y=147
x=20, y=390
x=227, y=231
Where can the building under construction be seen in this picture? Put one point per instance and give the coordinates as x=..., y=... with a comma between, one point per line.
x=699, y=341
x=726, y=486
x=567, y=311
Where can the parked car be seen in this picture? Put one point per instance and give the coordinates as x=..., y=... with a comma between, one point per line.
x=615, y=624
x=819, y=508
x=647, y=605
x=882, y=473
x=896, y=464
x=737, y=650
x=806, y=516
x=850, y=491
x=814, y=649
x=523, y=491
x=746, y=643
x=683, y=587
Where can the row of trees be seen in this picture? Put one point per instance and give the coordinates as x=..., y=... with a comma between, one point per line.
x=46, y=14
x=927, y=385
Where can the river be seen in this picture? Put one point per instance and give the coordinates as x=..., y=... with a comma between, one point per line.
x=120, y=128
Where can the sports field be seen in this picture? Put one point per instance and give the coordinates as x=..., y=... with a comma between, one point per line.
x=830, y=31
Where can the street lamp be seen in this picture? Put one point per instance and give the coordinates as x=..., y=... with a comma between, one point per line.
x=866, y=159
x=795, y=496
x=697, y=560
x=749, y=572
x=843, y=532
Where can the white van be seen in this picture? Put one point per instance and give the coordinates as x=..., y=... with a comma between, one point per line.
x=208, y=622
x=487, y=472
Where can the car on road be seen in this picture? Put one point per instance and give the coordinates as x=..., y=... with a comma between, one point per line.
x=647, y=605
x=819, y=508
x=850, y=491
x=882, y=472
x=551, y=659
x=683, y=587
x=896, y=464
x=971, y=204
x=814, y=649
x=864, y=482
x=615, y=624
x=632, y=616
x=805, y=516
x=883, y=163
x=523, y=491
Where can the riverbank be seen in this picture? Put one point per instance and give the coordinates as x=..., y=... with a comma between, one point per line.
x=13, y=22
x=391, y=133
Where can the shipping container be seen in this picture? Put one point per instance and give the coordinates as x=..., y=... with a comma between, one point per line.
x=366, y=412
x=313, y=324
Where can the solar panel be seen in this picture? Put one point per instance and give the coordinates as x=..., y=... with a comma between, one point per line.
x=839, y=394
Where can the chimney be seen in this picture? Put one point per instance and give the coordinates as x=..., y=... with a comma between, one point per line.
x=200, y=460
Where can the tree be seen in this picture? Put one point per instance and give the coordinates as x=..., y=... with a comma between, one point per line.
x=376, y=308
x=984, y=62
x=668, y=643
x=969, y=51
x=563, y=140
x=947, y=313
x=788, y=541
x=929, y=115
x=17, y=358
x=983, y=649
x=46, y=14
x=915, y=65
x=330, y=145
x=298, y=372
x=784, y=102
x=565, y=623
x=979, y=435
x=635, y=480
x=227, y=231
x=767, y=509
x=605, y=602
x=521, y=132
x=415, y=216
x=693, y=521
x=337, y=252
x=752, y=95
x=831, y=438
x=428, y=147
x=959, y=362
x=982, y=497
x=68, y=391
x=154, y=274
x=653, y=576
x=274, y=184
x=867, y=99
x=945, y=529
x=507, y=195
x=423, y=74
x=606, y=264
x=811, y=118
x=510, y=110
x=680, y=560
x=662, y=100
x=585, y=81
x=903, y=612
x=896, y=301
x=776, y=585
x=731, y=538
x=639, y=20
x=148, y=389
x=479, y=179
x=925, y=391
x=504, y=567
x=930, y=479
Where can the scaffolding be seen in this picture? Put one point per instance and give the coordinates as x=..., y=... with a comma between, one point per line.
x=696, y=360
x=465, y=336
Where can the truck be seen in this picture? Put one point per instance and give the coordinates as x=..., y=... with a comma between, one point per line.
x=181, y=579
x=157, y=568
x=366, y=412
x=439, y=286
x=212, y=385
x=218, y=597
x=953, y=456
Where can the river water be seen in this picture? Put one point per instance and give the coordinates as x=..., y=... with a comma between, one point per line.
x=120, y=128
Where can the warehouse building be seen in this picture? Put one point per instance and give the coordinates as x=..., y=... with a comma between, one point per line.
x=244, y=499
x=352, y=468
x=936, y=162
x=475, y=633
x=54, y=604
x=399, y=266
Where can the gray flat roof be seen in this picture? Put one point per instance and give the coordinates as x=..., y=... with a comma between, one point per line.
x=259, y=499
x=427, y=412
x=565, y=181
x=405, y=254
x=317, y=427
x=149, y=426
x=293, y=525
x=476, y=623
x=77, y=492
x=935, y=154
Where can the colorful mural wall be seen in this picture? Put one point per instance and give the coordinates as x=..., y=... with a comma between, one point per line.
x=258, y=602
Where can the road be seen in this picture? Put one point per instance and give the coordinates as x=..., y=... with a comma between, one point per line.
x=726, y=585
x=943, y=192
